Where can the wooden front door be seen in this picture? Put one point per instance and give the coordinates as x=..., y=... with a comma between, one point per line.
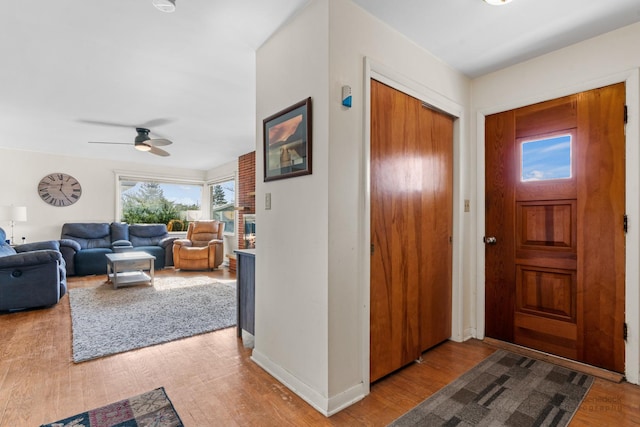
x=555, y=245
x=411, y=226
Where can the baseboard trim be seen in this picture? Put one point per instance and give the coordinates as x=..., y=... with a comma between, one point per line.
x=556, y=360
x=326, y=406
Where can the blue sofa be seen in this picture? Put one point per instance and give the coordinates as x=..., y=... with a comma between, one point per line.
x=31, y=275
x=84, y=245
x=153, y=239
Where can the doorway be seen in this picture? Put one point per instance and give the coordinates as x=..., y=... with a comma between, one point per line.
x=555, y=244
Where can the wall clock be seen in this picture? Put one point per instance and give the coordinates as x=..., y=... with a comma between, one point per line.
x=59, y=189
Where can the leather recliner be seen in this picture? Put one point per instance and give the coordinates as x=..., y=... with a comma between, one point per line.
x=202, y=249
x=31, y=275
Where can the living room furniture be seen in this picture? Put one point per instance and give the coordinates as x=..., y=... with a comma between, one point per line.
x=128, y=268
x=246, y=279
x=31, y=275
x=203, y=247
x=84, y=245
x=151, y=238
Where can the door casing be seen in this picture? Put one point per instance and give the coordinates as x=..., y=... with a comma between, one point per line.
x=390, y=77
x=632, y=131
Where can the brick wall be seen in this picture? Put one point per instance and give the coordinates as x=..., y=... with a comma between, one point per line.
x=246, y=191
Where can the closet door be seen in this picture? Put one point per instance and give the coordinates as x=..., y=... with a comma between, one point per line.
x=411, y=227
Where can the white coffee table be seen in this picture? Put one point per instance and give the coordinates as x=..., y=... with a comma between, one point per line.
x=128, y=268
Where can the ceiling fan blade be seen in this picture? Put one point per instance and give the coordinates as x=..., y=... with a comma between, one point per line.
x=98, y=122
x=158, y=142
x=158, y=151
x=148, y=124
x=115, y=143
x=155, y=122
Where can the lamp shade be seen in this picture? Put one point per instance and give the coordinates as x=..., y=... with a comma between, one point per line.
x=194, y=215
x=13, y=213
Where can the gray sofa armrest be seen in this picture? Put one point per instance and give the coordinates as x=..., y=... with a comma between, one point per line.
x=167, y=241
x=69, y=248
x=121, y=243
x=26, y=259
x=71, y=244
x=53, y=245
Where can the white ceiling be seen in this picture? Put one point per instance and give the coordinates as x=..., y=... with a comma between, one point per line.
x=69, y=62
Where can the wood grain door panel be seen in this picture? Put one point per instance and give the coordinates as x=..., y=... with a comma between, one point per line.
x=411, y=223
x=555, y=278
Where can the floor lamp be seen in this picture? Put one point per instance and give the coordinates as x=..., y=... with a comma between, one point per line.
x=13, y=214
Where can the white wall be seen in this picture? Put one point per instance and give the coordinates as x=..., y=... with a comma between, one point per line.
x=356, y=35
x=292, y=251
x=22, y=170
x=311, y=288
x=607, y=59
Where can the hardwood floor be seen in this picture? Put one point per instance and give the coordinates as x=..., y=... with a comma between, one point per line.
x=212, y=381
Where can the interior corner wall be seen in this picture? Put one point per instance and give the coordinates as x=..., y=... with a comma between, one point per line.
x=356, y=35
x=24, y=169
x=291, y=251
x=310, y=300
x=597, y=62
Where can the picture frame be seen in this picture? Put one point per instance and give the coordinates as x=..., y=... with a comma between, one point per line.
x=287, y=142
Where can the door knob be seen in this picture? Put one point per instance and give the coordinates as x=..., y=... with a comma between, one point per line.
x=490, y=240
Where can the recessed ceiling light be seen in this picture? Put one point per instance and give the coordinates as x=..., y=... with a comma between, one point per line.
x=497, y=2
x=165, y=5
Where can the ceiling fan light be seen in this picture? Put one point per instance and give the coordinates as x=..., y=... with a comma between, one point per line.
x=497, y=2
x=141, y=146
x=165, y=5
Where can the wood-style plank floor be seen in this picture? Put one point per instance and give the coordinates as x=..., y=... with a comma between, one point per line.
x=212, y=381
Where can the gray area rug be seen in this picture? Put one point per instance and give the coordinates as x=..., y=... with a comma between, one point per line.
x=505, y=389
x=106, y=321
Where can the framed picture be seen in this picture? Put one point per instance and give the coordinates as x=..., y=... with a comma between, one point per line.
x=287, y=142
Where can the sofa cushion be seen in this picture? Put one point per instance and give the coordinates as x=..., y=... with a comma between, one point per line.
x=147, y=234
x=156, y=251
x=119, y=231
x=91, y=261
x=88, y=235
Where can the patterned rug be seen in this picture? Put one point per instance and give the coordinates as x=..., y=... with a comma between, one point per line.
x=148, y=409
x=505, y=389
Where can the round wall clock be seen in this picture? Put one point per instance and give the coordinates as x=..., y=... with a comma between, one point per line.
x=59, y=189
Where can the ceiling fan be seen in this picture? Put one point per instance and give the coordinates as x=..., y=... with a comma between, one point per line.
x=142, y=141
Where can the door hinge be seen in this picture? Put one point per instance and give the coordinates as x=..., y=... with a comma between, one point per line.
x=626, y=114
x=625, y=331
x=625, y=223
x=372, y=249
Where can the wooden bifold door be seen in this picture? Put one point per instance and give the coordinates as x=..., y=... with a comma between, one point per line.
x=411, y=227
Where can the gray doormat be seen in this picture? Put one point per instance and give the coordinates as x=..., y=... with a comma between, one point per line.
x=505, y=389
